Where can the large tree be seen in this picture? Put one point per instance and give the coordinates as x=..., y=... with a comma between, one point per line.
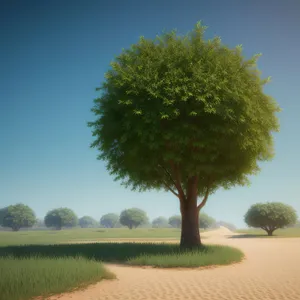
x=186, y=115
x=61, y=217
x=270, y=216
x=18, y=216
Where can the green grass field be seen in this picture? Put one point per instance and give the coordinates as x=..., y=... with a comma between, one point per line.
x=279, y=233
x=25, y=278
x=39, y=263
x=74, y=235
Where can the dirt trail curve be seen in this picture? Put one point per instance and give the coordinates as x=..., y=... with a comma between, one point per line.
x=271, y=271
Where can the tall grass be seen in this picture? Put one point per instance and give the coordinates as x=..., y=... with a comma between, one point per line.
x=26, y=277
x=159, y=255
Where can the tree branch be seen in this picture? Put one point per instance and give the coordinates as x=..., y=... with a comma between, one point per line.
x=170, y=189
x=178, y=181
x=204, y=200
x=168, y=173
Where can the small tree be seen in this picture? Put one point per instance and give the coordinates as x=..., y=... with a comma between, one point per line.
x=18, y=216
x=109, y=220
x=185, y=115
x=87, y=222
x=270, y=216
x=160, y=222
x=61, y=217
x=133, y=217
x=175, y=221
x=3, y=212
x=205, y=221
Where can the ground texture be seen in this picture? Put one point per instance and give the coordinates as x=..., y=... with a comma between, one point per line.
x=271, y=271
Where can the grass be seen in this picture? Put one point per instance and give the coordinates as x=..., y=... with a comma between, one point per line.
x=36, y=263
x=279, y=233
x=25, y=278
x=79, y=234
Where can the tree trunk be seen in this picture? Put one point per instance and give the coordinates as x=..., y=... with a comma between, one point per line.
x=190, y=236
x=270, y=232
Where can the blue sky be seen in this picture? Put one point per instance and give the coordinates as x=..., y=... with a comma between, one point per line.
x=55, y=53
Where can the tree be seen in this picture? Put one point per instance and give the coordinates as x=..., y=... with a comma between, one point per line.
x=205, y=221
x=270, y=216
x=61, y=217
x=175, y=221
x=87, y=222
x=166, y=114
x=109, y=220
x=3, y=212
x=160, y=222
x=18, y=216
x=133, y=217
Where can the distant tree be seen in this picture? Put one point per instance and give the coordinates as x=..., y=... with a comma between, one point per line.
x=270, y=216
x=160, y=222
x=87, y=222
x=61, y=217
x=133, y=217
x=18, y=216
x=175, y=221
x=3, y=211
x=227, y=225
x=205, y=221
x=185, y=115
x=109, y=220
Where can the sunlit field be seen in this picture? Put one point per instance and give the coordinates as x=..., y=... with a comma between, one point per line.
x=81, y=235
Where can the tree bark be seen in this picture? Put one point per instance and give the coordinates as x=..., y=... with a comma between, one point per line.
x=270, y=232
x=190, y=235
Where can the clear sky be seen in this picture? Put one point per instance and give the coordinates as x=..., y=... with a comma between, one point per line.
x=55, y=53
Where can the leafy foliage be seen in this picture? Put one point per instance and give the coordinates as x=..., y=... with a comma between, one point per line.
x=87, y=222
x=61, y=217
x=18, y=216
x=270, y=216
x=160, y=222
x=175, y=221
x=133, y=217
x=3, y=212
x=205, y=221
x=177, y=101
x=109, y=220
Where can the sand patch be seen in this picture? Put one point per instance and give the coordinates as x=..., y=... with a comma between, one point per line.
x=269, y=272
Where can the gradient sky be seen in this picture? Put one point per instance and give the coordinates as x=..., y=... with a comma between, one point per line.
x=55, y=53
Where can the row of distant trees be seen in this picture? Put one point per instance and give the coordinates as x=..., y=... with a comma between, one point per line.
x=22, y=216
x=268, y=216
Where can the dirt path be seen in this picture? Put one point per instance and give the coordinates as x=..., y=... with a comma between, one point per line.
x=271, y=271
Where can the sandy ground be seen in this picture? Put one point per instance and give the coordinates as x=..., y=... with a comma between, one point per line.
x=271, y=271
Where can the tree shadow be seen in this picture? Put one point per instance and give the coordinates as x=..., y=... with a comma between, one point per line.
x=248, y=236
x=106, y=252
